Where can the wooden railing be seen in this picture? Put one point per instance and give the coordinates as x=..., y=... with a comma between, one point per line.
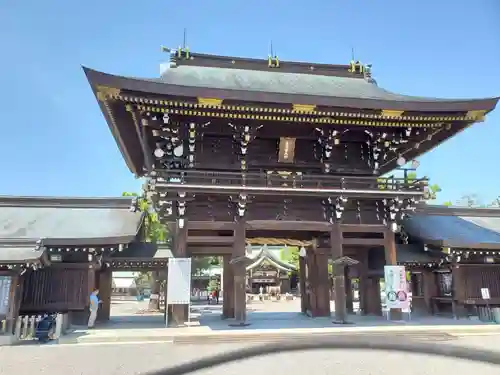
x=290, y=180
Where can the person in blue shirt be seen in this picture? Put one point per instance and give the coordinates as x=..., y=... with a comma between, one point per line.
x=94, y=306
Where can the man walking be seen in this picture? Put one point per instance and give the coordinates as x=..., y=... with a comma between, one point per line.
x=216, y=295
x=94, y=306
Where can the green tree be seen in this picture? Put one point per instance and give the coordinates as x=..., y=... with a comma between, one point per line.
x=495, y=203
x=470, y=200
x=152, y=231
x=200, y=264
x=213, y=284
x=448, y=203
x=291, y=256
x=433, y=191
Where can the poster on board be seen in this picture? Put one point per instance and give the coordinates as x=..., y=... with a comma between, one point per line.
x=396, y=287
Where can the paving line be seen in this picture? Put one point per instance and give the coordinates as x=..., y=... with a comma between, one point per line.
x=76, y=344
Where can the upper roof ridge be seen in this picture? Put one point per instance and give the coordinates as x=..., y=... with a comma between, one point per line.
x=183, y=56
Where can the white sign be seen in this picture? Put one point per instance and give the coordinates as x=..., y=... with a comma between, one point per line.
x=179, y=281
x=5, y=282
x=485, y=293
x=396, y=287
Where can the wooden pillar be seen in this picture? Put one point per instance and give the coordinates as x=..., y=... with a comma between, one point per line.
x=180, y=312
x=363, y=282
x=391, y=260
x=239, y=272
x=338, y=278
x=311, y=282
x=15, y=299
x=373, y=303
x=430, y=287
x=105, y=287
x=227, y=289
x=349, y=302
x=455, y=285
x=322, y=285
x=302, y=285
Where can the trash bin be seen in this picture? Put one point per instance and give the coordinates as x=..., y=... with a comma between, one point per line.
x=496, y=314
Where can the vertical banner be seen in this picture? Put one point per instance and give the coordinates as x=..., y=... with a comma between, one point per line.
x=5, y=283
x=396, y=287
x=179, y=281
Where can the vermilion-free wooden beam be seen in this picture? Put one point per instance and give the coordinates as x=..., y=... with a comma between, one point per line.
x=306, y=226
x=210, y=240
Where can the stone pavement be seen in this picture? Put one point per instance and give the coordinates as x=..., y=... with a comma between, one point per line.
x=140, y=358
x=269, y=321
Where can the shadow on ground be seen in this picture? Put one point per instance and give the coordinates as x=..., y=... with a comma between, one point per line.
x=205, y=318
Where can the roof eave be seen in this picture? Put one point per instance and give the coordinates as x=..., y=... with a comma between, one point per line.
x=66, y=202
x=94, y=81
x=153, y=87
x=95, y=241
x=457, y=211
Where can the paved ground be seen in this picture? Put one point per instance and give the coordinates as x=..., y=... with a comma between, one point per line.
x=270, y=321
x=111, y=359
x=261, y=315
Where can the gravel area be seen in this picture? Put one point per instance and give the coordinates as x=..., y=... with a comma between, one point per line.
x=138, y=358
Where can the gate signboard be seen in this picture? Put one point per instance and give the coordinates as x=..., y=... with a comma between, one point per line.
x=178, y=284
x=396, y=287
x=5, y=284
x=179, y=281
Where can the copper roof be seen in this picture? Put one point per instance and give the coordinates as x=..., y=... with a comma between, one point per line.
x=281, y=88
x=58, y=221
x=457, y=227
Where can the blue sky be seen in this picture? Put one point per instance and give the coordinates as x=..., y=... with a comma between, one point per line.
x=54, y=140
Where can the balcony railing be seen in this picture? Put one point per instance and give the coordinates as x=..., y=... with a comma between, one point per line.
x=289, y=181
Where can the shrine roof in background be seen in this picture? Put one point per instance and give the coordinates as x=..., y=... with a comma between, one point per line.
x=144, y=250
x=265, y=255
x=406, y=254
x=20, y=252
x=455, y=227
x=57, y=221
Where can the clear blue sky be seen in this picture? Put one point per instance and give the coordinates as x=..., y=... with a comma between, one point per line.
x=54, y=140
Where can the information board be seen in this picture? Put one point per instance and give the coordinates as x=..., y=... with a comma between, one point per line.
x=396, y=287
x=179, y=281
x=485, y=293
x=5, y=283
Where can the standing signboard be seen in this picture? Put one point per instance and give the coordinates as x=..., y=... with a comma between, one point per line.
x=178, y=283
x=396, y=287
x=5, y=284
x=485, y=293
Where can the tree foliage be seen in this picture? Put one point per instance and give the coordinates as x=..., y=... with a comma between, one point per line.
x=200, y=264
x=291, y=256
x=433, y=191
x=153, y=230
x=474, y=201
